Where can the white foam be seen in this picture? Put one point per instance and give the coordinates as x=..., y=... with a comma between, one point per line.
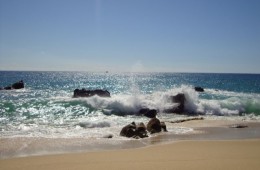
x=124, y=104
x=89, y=124
x=97, y=117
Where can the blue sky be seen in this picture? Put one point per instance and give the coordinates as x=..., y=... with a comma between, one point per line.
x=130, y=35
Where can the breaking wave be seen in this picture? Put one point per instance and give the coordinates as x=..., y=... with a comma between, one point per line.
x=211, y=102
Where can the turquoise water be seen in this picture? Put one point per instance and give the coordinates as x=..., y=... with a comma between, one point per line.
x=45, y=106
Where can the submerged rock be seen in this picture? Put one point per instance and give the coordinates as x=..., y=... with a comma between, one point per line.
x=89, y=93
x=8, y=88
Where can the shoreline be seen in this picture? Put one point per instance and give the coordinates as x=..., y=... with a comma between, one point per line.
x=204, y=130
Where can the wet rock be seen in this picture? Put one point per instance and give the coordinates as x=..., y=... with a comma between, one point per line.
x=163, y=125
x=134, y=131
x=154, y=126
x=8, y=88
x=199, y=89
x=187, y=119
x=141, y=127
x=150, y=113
x=18, y=85
x=128, y=130
x=180, y=100
x=141, y=130
x=143, y=111
x=238, y=126
x=89, y=93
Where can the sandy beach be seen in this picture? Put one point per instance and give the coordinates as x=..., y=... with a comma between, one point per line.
x=237, y=154
x=218, y=147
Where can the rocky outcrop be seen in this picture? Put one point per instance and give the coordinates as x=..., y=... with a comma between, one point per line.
x=150, y=113
x=180, y=100
x=89, y=93
x=134, y=131
x=163, y=125
x=128, y=130
x=8, y=88
x=238, y=126
x=154, y=126
x=17, y=85
x=141, y=130
x=179, y=108
x=199, y=89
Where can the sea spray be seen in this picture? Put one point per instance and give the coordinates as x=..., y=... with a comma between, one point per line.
x=44, y=117
x=45, y=108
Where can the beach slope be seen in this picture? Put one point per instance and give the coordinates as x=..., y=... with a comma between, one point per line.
x=235, y=154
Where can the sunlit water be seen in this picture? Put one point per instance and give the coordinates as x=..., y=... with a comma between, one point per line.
x=45, y=107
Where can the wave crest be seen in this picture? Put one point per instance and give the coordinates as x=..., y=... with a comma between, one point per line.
x=211, y=102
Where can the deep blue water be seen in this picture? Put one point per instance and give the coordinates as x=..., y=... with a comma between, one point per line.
x=147, y=82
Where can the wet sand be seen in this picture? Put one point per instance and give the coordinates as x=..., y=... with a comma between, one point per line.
x=236, y=154
x=213, y=145
x=203, y=130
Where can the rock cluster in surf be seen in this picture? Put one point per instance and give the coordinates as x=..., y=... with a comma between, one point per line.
x=137, y=131
x=17, y=85
x=179, y=100
x=154, y=125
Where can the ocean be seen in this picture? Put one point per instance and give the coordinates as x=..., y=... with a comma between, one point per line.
x=45, y=108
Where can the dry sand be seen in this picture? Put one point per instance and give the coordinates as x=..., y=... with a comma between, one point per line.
x=235, y=154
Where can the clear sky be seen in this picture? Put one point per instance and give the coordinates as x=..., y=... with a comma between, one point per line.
x=130, y=35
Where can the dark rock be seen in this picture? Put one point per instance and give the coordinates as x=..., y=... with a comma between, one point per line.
x=199, y=89
x=143, y=111
x=238, y=126
x=163, y=125
x=141, y=127
x=128, y=130
x=89, y=93
x=187, y=119
x=134, y=131
x=179, y=99
x=18, y=85
x=141, y=130
x=150, y=113
x=108, y=136
x=8, y=88
x=154, y=126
